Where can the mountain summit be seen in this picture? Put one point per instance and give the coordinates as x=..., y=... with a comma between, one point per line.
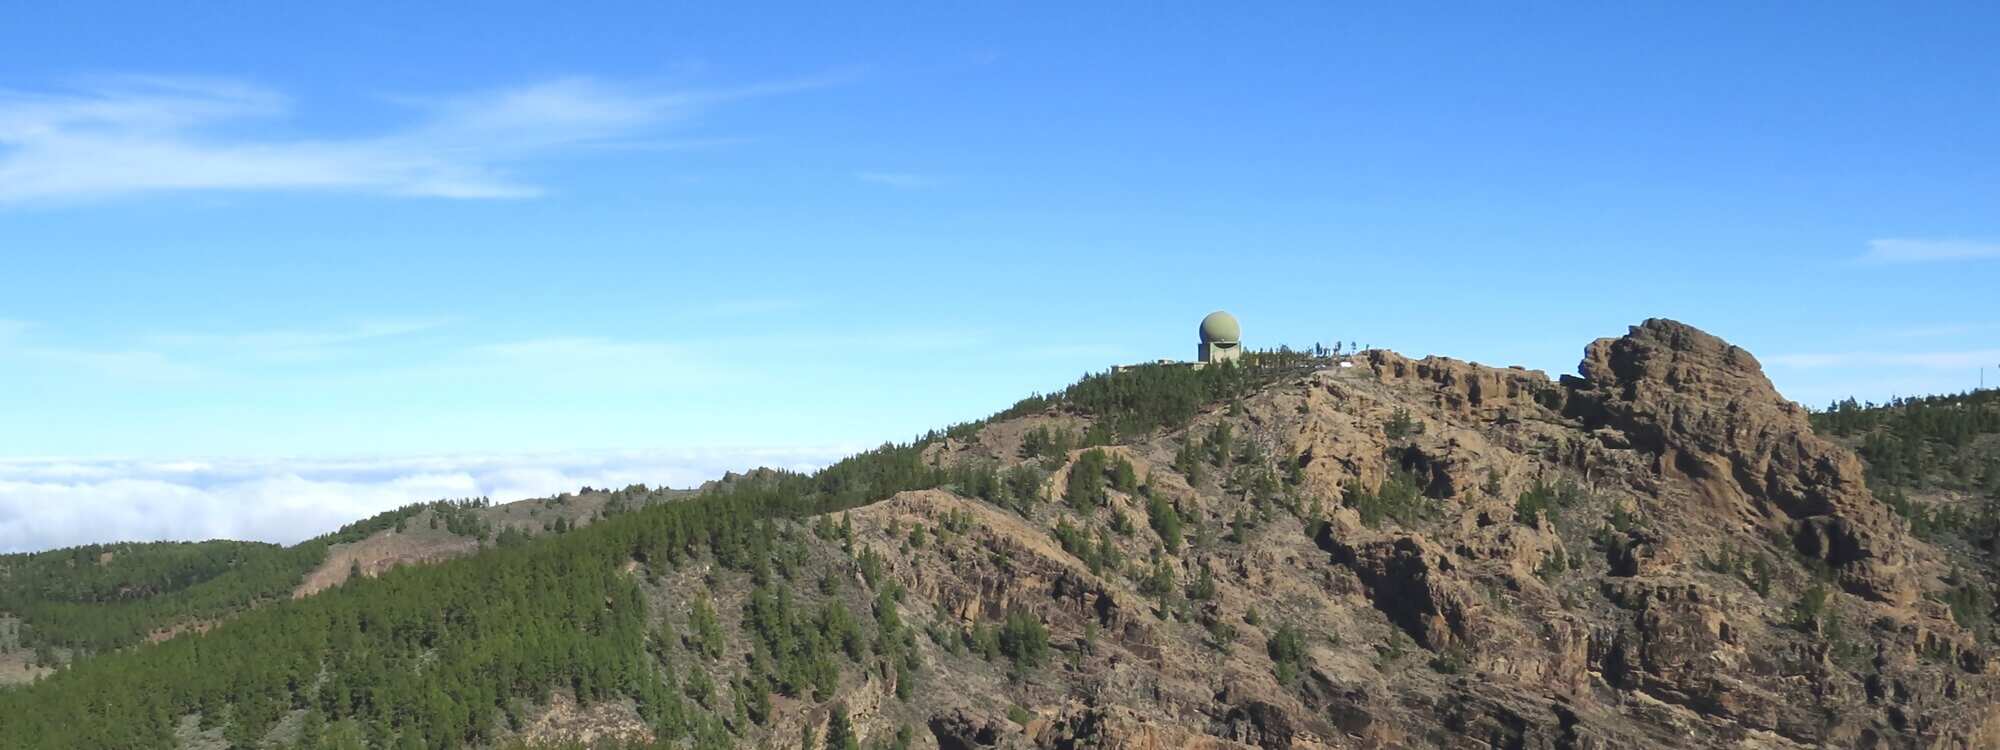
x=1281, y=552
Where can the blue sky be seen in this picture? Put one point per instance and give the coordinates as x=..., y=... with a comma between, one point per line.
x=262, y=234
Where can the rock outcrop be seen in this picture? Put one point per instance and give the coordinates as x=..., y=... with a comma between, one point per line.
x=1708, y=416
x=1489, y=559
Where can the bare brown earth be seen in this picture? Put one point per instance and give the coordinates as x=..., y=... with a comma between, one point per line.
x=16, y=663
x=1603, y=625
x=17, y=668
x=563, y=722
x=385, y=550
x=418, y=543
x=178, y=629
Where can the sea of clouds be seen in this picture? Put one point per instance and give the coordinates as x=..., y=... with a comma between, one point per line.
x=50, y=503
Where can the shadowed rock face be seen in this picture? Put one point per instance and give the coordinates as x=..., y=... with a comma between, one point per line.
x=1410, y=581
x=957, y=731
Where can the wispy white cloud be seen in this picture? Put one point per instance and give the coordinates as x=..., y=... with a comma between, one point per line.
x=147, y=134
x=582, y=350
x=1835, y=385
x=297, y=344
x=744, y=308
x=1928, y=251
x=904, y=180
x=566, y=363
x=22, y=353
x=857, y=336
x=1940, y=330
x=130, y=365
x=1968, y=359
x=187, y=356
x=12, y=329
x=1092, y=352
x=1943, y=331
x=47, y=503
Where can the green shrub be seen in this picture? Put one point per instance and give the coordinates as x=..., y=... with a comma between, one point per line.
x=1042, y=442
x=1546, y=500
x=1165, y=521
x=1401, y=424
x=1203, y=588
x=1024, y=640
x=1397, y=499
x=1084, y=489
x=1124, y=478
x=1287, y=649
x=1809, y=613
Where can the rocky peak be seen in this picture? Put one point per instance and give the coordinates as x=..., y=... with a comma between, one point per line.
x=1705, y=410
x=1645, y=553
x=1679, y=356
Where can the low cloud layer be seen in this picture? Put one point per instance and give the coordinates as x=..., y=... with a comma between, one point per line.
x=50, y=503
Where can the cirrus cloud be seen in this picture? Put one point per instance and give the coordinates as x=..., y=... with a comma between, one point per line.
x=1947, y=360
x=903, y=180
x=1929, y=251
x=130, y=135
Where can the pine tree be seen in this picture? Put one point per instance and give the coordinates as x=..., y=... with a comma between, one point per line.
x=839, y=732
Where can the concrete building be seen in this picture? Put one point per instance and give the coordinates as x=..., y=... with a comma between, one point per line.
x=1221, y=339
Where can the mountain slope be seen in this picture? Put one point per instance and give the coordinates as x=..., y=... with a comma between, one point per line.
x=97, y=597
x=69, y=603
x=1287, y=554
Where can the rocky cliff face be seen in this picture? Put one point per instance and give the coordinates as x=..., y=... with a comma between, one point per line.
x=1431, y=553
x=1705, y=411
